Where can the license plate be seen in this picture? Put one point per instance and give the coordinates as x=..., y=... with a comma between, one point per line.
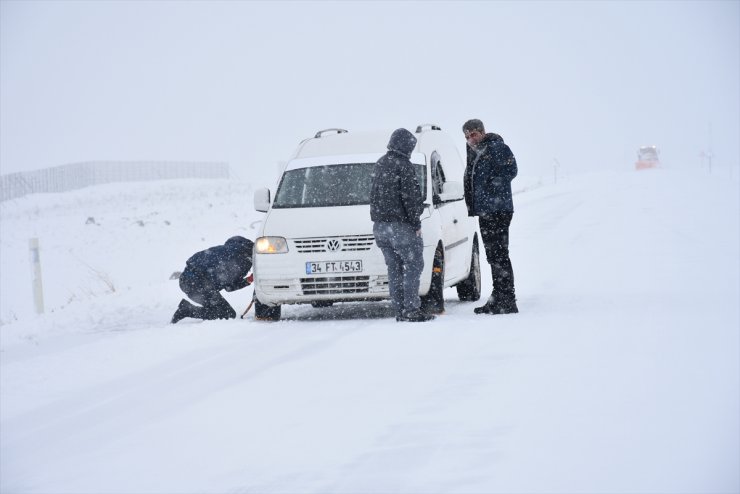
x=323, y=267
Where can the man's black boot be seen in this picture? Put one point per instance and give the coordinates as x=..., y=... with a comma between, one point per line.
x=494, y=306
x=183, y=311
x=506, y=308
x=486, y=308
x=414, y=316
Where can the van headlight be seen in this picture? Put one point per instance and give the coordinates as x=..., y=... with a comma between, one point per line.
x=271, y=245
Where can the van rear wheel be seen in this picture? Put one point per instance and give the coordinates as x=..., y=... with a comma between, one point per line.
x=264, y=312
x=434, y=301
x=469, y=290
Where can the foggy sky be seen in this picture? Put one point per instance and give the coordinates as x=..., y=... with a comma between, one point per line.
x=583, y=83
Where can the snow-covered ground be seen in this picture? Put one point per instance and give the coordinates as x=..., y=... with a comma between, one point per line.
x=620, y=374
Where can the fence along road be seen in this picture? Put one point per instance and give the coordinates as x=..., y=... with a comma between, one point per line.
x=78, y=175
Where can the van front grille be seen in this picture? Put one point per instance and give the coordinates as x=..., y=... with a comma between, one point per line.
x=335, y=285
x=349, y=243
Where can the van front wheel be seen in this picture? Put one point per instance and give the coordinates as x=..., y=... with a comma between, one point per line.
x=264, y=312
x=434, y=301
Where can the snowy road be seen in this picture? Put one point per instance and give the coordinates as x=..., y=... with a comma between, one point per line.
x=620, y=374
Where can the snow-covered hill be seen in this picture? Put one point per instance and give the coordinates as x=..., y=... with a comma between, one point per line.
x=620, y=374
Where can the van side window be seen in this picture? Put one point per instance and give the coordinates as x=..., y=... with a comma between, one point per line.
x=438, y=175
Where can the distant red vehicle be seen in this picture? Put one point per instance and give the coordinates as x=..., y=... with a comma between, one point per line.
x=647, y=157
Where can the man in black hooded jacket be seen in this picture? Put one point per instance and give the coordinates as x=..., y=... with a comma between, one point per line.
x=224, y=267
x=396, y=205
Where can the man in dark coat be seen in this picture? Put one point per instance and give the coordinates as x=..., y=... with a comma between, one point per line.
x=224, y=267
x=396, y=205
x=491, y=168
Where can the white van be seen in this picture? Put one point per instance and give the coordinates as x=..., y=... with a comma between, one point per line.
x=316, y=243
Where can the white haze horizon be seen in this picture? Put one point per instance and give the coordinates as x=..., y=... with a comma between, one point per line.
x=579, y=84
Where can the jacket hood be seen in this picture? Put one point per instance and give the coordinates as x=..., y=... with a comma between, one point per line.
x=491, y=137
x=239, y=243
x=402, y=141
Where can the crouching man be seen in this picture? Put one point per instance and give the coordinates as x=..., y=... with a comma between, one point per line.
x=224, y=267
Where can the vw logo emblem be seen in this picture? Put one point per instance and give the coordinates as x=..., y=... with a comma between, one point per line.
x=333, y=244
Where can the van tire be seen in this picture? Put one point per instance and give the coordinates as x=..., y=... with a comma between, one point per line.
x=469, y=290
x=318, y=304
x=264, y=312
x=434, y=301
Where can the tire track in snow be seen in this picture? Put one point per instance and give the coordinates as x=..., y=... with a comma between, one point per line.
x=113, y=409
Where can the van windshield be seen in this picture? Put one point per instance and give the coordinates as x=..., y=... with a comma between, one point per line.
x=347, y=184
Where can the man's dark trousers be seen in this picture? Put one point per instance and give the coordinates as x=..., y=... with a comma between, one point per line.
x=494, y=227
x=214, y=305
x=403, y=251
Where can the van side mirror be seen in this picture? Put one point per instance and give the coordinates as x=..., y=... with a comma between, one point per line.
x=262, y=199
x=451, y=191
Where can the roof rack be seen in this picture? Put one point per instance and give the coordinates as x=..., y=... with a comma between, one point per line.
x=431, y=126
x=321, y=132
